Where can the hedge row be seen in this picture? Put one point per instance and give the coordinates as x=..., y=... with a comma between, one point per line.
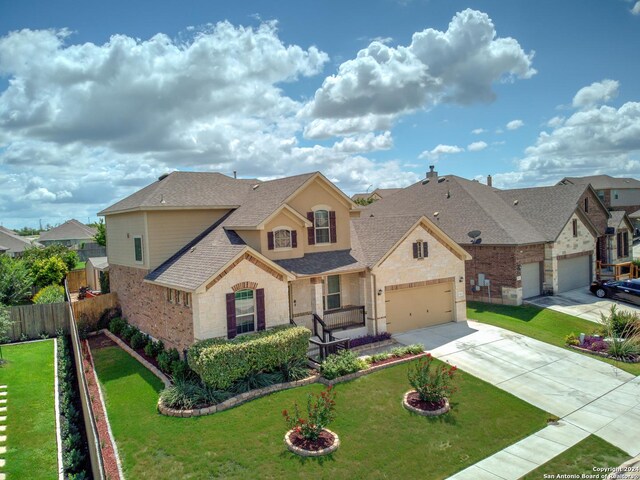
x=220, y=363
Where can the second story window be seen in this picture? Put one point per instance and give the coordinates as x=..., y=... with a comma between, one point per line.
x=575, y=228
x=420, y=249
x=586, y=204
x=282, y=238
x=137, y=249
x=321, y=226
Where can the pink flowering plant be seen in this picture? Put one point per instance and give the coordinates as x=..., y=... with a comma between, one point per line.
x=432, y=384
x=320, y=413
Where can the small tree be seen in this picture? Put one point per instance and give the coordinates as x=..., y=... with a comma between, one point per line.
x=68, y=256
x=432, y=386
x=101, y=234
x=50, y=271
x=5, y=324
x=15, y=281
x=320, y=411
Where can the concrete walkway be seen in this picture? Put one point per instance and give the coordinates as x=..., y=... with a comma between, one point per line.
x=581, y=303
x=590, y=396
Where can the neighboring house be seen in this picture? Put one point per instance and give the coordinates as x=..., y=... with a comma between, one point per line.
x=618, y=244
x=201, y=255
x=377, y=194
x=94, y=269
x=522, y=242
x=71, y=233
x=3, y=249
x=14, y=245
x=616, y=193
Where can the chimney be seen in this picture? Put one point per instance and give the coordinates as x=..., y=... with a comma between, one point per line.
x=432, y=173
x=489, y=180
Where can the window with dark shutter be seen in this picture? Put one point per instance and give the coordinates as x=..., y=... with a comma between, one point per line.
x=270, y=240
x=231, y=315
x=425, y=249
x=625, y=239
x=294, y=239
x=311, y=234
x=619, y=244
x=416, y=252
x=332, y=227
x=420, y=249
x=260, y=309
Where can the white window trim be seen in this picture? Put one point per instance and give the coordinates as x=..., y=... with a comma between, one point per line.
x=326, y=293
x=139, y=262
x=282, y=249
x=254, y=314
x=328, y=227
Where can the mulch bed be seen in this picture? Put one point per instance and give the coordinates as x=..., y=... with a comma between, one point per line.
x=325, y=440
x=100, y=341
x=634, y=359
x=106, y=447
x=395, y=359
x=414, y=400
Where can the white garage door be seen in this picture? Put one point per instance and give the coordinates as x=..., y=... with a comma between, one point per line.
x=411, y=308
x=574, y=273
x=530, y=274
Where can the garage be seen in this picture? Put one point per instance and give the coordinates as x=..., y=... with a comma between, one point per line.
x=419, y=307
x=574, y=273
x=530, y=276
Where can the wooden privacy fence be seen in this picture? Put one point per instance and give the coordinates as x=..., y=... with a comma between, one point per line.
x=76, y=279
x=87, y=312
x=33, y=320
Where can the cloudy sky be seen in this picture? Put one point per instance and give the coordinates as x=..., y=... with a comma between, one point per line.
x=97, y=99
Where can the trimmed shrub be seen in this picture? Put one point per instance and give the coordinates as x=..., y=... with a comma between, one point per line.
x=153, y=349
x=433, y=385
x=139, y=340
x=117, y=325
x=167, y=358
x=50, y=294
x=128, y=331
x=191, y=394
x=340, y=364
x=220, y=363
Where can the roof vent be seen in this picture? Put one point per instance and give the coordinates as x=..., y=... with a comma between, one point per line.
x=441, y=179
x=515, y=202
x=163, y=176
x=162, y=201
x=475, y=236
x=193, y=249
x=435, y=214
x=371, y=216
x=448, y=193
x=425, y=181
x=253, y=187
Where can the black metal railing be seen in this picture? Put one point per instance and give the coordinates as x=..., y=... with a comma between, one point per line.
x=326, y=344
x=345, y=317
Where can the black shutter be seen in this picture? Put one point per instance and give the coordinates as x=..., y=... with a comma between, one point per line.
x=425, y=249
x=260, y=308
x=619, y=242
x=332, y=227
x=270, y=240
x=311, y=234
x=416, y=251
x=294, y=239
x=231, y=315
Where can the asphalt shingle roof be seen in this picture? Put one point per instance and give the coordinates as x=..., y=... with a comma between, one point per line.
x=548, y=209
x=376, y=235
x=322, y=263
x=13, y=242
x=463, y=206
x=603, y=182
x=69, y=230
x=617, y=216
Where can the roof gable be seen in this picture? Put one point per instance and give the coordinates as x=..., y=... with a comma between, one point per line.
x=69, y=230
x=603, y=182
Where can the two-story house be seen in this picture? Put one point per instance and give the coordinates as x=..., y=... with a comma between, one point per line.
x=202, y=255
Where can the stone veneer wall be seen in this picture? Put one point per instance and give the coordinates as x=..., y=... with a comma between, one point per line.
x=145, y=306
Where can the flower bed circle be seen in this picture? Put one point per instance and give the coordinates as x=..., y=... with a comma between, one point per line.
x=411, y=401
x=328, y=442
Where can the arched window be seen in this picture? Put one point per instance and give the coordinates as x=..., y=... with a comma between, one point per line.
x=282, y=238
x=321, y=226
x=245, y=311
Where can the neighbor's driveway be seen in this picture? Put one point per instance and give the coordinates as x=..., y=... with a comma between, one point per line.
x=581, y=303
x=592, y=395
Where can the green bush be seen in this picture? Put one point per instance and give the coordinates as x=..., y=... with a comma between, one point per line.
x=340, y=364
x=620, y=323
x=153, y=349
x=186, y=395
x=571, y=339
x=15, y=281
x=255, y=380
x=139, y=340
x=49, y=271
x=50, y=294
x=433, y=385
x=128, y=331
x=167, y=358
x=117, y=325
x=220, y=363
x=180, y=371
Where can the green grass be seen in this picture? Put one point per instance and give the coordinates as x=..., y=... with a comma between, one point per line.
x=80, y=265
x=31, y=427
x=540, y=323
x=379, y=438
x=581, y=459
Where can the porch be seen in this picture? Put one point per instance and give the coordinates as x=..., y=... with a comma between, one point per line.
x=616, y=271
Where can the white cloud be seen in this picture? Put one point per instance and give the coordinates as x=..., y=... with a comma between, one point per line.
x=555, y=122
x=636, y=9
x=440, y=150
x=459, y=65
x=596, y=94
x=515, y=124
x=477, y=146
x=478, y=131
x=364, y=143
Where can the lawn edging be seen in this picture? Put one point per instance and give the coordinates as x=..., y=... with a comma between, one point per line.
x=56, y=392
x=261, y=392
x=134, y=354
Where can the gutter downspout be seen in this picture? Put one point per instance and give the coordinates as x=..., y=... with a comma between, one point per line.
x=374, y=303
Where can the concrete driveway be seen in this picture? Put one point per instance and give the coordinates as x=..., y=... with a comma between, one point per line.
x=581, y=303
x=586, y=393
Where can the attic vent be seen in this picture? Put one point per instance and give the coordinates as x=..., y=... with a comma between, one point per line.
x=425, y=181
x=163, y=176
x=441, y=179
x=253, y=187
x=515, y=202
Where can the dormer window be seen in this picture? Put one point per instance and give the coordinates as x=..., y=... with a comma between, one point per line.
x=281, y=238
x=321, y=226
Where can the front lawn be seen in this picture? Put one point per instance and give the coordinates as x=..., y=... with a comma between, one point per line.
x=31, y=428
x=379, y=438
x=540, y=323
x=581, y=459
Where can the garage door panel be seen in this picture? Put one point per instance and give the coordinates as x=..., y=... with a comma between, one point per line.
x=419, y=307
x=574, y=273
